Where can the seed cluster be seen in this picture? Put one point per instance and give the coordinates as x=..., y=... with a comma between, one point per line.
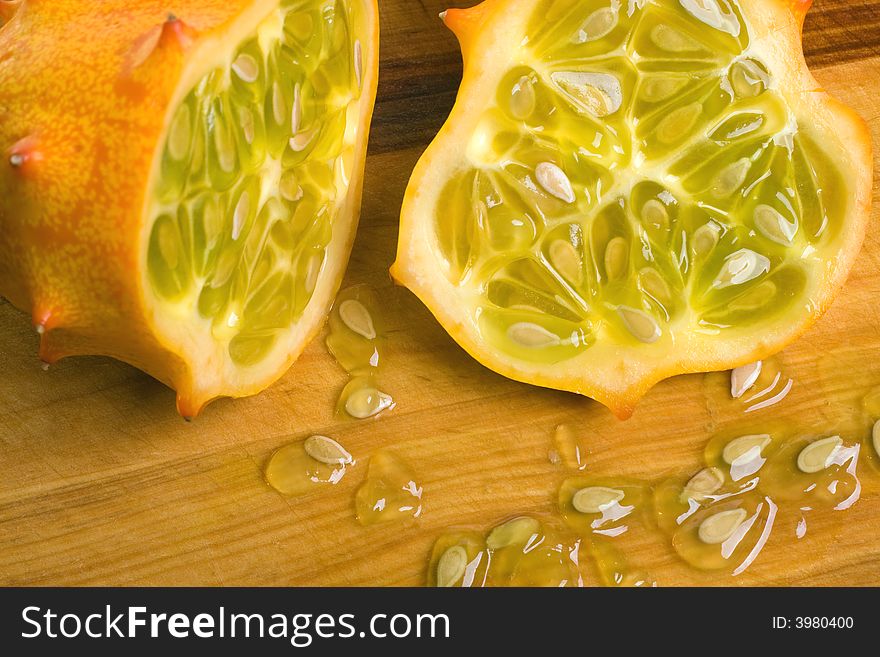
x=637, y=176
x=256, y=162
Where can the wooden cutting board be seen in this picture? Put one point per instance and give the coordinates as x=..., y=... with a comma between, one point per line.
x=102, y=483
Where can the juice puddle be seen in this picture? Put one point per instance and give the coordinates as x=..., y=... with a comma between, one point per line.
x=522, y=551
x=567, y=450
x=296, y=468
x=390, y=492
x=362, y=399
x=356, y=342
x=768, y=475
x=614, y=517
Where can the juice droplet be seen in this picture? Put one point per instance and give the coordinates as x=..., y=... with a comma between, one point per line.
x=355, y=337
x=522, y=551
x=294, y=470
x=361, y=399
x=390, y=492
x=567, y=450
x=727, y=535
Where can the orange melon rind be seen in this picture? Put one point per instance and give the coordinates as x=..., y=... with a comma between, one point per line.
x=106, y=241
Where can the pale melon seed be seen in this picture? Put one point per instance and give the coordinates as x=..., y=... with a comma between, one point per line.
x=554, y=181
x=296, y=111
x=180, y=134
x=818, y=455
x=357, y=318
x=731, y=178
x=300, y=142
x=598, y=94
x=595, y=499
x=671, y=40
x=755, y=298
x=367, y=402
x=279, y=107
x=246, y=119
x=565, y=259
x=289, y=187
x=226, y=265
x=875, y=435
x=326, y=450
x=246, y=67
x=718, y=527
x=239, y=217
x=774, y=226
x=640, y=324
x=655, y=214
x=653, y=284
x=745, y=448
x=741, y=267
x=168, y=244
x=616, y=258
x=358, y=62
x=451, y=566
x=710, y=13
x=706, y=238
x=522, y=99
x=513, y=532
x=312, y=271
x=747, y=79
x=678, y=123
x=743, y=378
x=531, y=335
x=597, y=25
x=657, y=89
x=225, y=148
x=706, y=482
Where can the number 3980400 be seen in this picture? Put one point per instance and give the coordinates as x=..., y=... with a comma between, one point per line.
x=823, y=622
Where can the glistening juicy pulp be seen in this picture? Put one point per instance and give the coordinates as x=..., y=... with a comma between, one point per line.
x=255, y=166
x=637, y=177
x=624, y=192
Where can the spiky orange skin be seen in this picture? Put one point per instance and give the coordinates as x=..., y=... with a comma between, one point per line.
x=84, y=92
x=85, y=122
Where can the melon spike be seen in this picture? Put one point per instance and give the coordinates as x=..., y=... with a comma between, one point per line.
x=187, y=406
x=44, y=319
x=800, y=8
x=8, y=9
x=24, y=154
x=173, y=33
x=177, y=32
x=465, y=23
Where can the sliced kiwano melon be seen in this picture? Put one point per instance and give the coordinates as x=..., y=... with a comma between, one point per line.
x=181, y=191
x=626, y=191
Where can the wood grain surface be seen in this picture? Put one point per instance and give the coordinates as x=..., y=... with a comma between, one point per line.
x=102, y=483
